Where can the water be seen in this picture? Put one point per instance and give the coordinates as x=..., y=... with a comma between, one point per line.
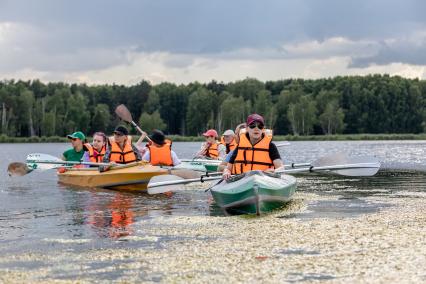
x=38, y=214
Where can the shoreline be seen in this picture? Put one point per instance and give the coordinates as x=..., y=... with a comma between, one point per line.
x=178, y=138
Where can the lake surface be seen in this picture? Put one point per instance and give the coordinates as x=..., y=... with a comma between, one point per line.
x=38, y=214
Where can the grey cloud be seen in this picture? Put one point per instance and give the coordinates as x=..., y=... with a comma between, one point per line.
x=211, y=28
x=409, y=51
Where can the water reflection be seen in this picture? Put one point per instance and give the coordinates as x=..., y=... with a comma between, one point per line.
x=112, y=219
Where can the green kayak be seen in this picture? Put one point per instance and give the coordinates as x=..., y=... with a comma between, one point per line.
x=201, y=165
x=254, y=192
x=191, y=165
x=211, y=167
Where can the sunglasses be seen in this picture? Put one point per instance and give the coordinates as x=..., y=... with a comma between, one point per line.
x=210, y=136
x=258, y=125
x=118, y=134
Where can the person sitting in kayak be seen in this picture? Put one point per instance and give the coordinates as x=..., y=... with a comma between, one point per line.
x=228, y=140
x=121, y=150
x=238, y=130
x=95, y=152
x=159, y=151
x=76, y=152
x=254, y=151
x=211, y=149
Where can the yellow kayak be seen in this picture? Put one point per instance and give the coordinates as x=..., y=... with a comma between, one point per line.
x=132, y=177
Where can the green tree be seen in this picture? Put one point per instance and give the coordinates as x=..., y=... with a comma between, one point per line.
x=153, y=102
x=101, y=118
x=232, y=113
x=200, y=111
x=151, y=121
x=263, y=105
x=283, y=125
x=331, y=119
x=247, y=88
x=25, y=112
x=77, y=117
x=302, y=116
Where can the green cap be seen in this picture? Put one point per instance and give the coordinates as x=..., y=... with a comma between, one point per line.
x=78, y=135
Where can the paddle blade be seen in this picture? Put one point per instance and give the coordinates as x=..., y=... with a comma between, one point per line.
x=37, y=157
x=18, y=169
x=124, y=113
x=362, y=171
x=186, y=173
x=164, y=188
x=282, y=144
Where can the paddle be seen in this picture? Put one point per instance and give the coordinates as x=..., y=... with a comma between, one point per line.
x=329, y=160
x=125, y=115
x=359, y=166
x=207, y=161
x=40, y=161
x=284, y=143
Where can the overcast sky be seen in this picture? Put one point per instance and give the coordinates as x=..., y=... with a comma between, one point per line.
x=181, y=41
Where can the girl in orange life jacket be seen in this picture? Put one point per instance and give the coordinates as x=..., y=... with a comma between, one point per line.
x=121, y=151
x=211, y=148
x=159, y=152
x=255, y=151
x=228, y=140
x=95, y=152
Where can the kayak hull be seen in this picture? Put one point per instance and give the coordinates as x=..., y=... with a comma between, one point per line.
x=254, y=193
x=132, y=177
x=201, y=165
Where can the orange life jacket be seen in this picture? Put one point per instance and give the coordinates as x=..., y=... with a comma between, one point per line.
x=212, y=151
x=229, y=147
x=94, y=155
x=124, y=156
x=161, y=155
x=252, y=157
x=111, y=140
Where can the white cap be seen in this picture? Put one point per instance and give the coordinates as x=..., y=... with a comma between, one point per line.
x=228, y=132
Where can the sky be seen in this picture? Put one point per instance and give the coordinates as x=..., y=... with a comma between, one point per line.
x=182, y=41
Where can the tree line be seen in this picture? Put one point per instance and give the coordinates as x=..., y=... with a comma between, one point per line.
x=339, y=105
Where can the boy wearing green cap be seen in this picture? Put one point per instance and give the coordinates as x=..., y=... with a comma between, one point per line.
x=77, y=151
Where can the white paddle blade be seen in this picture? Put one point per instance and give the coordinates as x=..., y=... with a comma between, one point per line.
x=360, y=172
x=36, y=157
x=186, y=173
x=42, y=167
x=282, y=144
x=154, y=189
x=366, y=171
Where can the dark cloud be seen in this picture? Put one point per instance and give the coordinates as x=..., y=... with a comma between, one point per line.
x=63, y=29
x=410, y=54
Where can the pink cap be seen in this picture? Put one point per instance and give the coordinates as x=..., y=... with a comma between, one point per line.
x=255, y=118
x=210, y=132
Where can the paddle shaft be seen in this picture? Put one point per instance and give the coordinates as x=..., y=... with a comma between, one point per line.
x=307, y=169
x=68, y=163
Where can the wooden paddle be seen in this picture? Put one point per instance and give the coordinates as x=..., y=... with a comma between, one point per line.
x=358, y=166
x=123, y=112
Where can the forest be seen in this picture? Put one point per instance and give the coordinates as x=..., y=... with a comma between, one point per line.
x=329, y=106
